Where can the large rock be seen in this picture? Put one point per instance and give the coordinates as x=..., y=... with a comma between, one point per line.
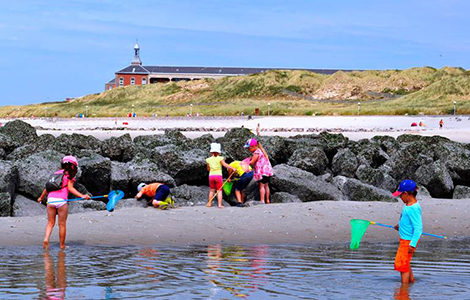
x=25, y=207
x=304, y=185
x=344, y=163
x=203, y=142
x=355, y=190
x=404, y=163
x=6, y=205
x=282, y=197
x=277, y=149
x=376, y=177
x=20, y=132
x=188, y=195
x=75, y=144
x=233, y=142
x=35, y=170
x=436, y=179
x=369, y=152
x=120, y=178
x=118, y=148
x=184, y=166
x=6, y=144
x=461, y=192
x=8, y=177
x=386, y=143
x=148, y=172
x=95, y=174
x=171, y=136
x=313, y=160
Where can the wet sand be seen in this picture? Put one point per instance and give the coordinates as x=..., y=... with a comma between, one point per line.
x=312, y=222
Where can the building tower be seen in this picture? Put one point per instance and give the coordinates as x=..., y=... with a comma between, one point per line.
x=136, y=60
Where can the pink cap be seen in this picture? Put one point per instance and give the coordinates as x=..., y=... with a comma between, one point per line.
x=251, y=143
x=70, y=159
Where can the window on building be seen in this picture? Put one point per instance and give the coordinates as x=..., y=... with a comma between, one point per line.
x=132, y=80
x=144, y=81
x=121, y=81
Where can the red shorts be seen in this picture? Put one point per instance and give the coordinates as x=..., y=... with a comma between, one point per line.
x=403, y=256
x=215, y=182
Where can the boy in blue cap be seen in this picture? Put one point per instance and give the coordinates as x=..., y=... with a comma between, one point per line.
x=410, y=229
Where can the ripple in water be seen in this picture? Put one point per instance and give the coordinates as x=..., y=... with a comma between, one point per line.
x=442, y=270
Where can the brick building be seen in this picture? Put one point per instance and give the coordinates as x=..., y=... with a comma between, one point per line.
x=137, y=74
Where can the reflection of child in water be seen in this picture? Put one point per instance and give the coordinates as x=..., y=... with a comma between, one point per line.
x=55, y=289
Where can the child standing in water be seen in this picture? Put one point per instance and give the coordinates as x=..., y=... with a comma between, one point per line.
x=57, y=200
x=410, y=229
x=262, y=169
x=214, y=166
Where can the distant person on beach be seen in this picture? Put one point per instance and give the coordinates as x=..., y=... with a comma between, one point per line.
x=214, y=166
x=57, y=199
x=410, y=229
x=262, y=168
x=244, y=174
x=157, y=194
x=257, y=129
x=441, y=123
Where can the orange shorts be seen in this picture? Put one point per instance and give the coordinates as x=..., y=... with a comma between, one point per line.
x=403, y=256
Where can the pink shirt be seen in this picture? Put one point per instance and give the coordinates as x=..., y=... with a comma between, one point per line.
x=262, y=166
x=63, y=193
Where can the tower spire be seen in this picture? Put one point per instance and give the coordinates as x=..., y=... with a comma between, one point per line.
x=136, y=60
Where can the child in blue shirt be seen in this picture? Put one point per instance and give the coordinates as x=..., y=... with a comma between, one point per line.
x=410, y=229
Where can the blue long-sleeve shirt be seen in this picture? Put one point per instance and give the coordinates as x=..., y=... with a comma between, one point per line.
x=411, y=224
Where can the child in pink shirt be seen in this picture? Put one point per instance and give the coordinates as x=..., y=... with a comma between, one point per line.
x=57, y=200
x=261, y=167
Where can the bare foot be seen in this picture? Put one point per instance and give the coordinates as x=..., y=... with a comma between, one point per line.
x=62, y=246
x=45, y=245
x=208, y=204
x=220, y=206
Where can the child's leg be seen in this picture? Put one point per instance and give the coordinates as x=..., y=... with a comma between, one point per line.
x=238, y=195
x=412, y=278
x=268, y=193
x=219, y=199
x=243, y=196
x=63, y=212
x=211, y=196
x=262, y=192
x=51, y=212
x=405, y=277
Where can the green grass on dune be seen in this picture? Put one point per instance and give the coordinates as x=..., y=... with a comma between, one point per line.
x=425, y=90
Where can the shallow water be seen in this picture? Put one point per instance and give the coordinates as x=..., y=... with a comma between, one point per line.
x=442, y=271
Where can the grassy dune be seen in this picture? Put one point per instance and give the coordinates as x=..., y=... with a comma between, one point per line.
x=417, y=90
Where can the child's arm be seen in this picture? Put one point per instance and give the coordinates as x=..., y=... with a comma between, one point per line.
x=264, y=151
x=254, y=159
x=208, y=168
x=74, y=191
x=44, y=192
x=227, y=166
x=417, y=223
x=139, y=195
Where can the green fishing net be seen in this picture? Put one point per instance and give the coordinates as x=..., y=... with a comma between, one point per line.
x=358, y=229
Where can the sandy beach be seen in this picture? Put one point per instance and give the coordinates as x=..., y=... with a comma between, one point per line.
x=311, y=222
x=303, y=223
x=456, y=128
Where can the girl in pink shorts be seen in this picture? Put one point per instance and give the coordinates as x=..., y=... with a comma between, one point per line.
x=214, y=166
x=57, y=200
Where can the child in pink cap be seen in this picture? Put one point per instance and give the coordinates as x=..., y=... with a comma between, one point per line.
x=57, y=200
x=262, y=169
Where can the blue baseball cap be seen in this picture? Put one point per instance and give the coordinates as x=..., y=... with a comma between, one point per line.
x=407, y=185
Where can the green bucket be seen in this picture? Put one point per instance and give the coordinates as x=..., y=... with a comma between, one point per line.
x=228, y=188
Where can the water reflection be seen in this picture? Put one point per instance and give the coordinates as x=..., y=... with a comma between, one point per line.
x=403, y=292
x=235, y=269
x=56, y=281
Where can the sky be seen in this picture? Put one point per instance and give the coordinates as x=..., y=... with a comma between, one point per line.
x=54, y=49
